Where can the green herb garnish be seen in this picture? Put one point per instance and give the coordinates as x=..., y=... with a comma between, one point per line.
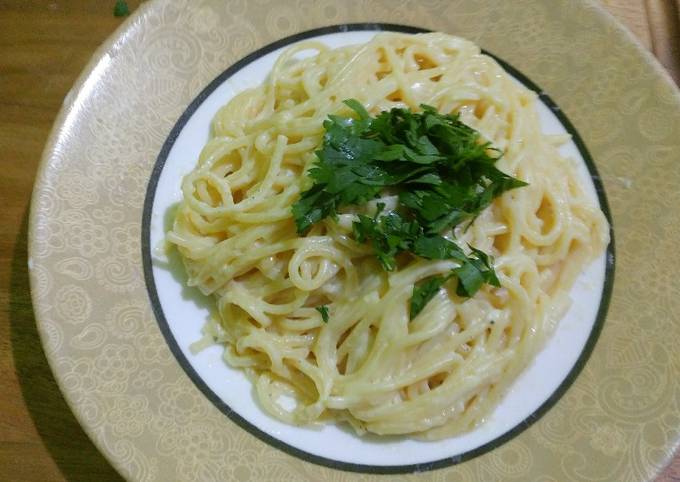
x=323, y=309
x=442, y=170
x=121, y=9
x=391, y=234
x=424, y=292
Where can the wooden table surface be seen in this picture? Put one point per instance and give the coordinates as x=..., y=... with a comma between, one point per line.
x=43, y=47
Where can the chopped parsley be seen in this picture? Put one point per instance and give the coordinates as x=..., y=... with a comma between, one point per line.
x=442, y=170
x=389, y=235
x=424, y=292
x=323, y=309
x=121, y=9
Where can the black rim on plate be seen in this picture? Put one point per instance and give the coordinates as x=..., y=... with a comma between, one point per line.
x=242, y=422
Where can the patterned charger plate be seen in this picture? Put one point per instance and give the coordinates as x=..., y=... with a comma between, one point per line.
x=116, y=334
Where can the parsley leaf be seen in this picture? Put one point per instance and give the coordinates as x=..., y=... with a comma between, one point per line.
x=424, y=292
x=477, y=271
x=314, y=205
x=389, y=235
x=438, y=247
x=442, y=170
x=323, y=309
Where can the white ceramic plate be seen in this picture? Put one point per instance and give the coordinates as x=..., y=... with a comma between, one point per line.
x=183, y=311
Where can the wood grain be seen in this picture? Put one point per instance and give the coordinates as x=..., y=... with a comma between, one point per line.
x=43, y=47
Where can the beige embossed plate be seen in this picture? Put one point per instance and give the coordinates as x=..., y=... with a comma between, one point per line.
x=607, y=407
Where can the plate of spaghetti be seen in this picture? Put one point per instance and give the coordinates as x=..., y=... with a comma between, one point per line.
x=365, y=240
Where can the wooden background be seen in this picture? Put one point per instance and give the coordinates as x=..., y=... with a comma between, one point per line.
x=43, y=47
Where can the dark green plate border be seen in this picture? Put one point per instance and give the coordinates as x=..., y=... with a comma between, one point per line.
x=335, y=464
